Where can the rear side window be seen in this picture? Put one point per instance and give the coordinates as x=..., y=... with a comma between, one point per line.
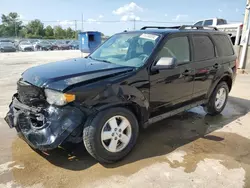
x=199, y=23
x=223, y=45
x=208, y=22
x=221, y=22
x=203, y=48
x=178, y=48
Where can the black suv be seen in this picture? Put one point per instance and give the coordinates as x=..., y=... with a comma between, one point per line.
x=132, y=80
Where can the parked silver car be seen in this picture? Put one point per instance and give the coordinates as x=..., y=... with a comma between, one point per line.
x=26, y=46
x=42, y=45
x=7, y=47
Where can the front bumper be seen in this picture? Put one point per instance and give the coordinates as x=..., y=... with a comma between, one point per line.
x=8, y=49
x=30, y=48
x=56, y=123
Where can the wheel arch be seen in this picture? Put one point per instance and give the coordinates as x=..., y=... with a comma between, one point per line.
x=226, y=78
x=141, y=114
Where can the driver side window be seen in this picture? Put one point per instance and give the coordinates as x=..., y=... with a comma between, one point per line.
x=177, y=48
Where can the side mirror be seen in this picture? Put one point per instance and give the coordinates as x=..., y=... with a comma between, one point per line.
x=165, y=63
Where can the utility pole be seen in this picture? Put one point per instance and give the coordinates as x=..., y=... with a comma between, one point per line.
x=246, y=18
x=82, y=21
x=75, y=29
x=15, y=28
x=134, y=22
x=245, y=32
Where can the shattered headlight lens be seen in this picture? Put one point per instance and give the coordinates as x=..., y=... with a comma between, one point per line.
x=58, y=98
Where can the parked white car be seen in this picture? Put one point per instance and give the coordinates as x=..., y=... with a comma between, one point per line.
x=234, y=30
x=25, y=46
x=211, y=22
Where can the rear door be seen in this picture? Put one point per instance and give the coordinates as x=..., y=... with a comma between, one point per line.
x=225, y=53
x=205, y=63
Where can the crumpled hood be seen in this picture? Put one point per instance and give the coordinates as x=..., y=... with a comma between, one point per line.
x=62, y=74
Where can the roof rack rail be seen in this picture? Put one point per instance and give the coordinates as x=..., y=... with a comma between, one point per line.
x=183, y=27
x=159, y=27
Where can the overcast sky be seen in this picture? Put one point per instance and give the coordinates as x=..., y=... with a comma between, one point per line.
x=97, y=12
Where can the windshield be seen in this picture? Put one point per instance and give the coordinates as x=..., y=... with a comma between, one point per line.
x=5, y=40
x=73, y=42
x=45, y=43
x=60, y=42
x=128, y=49
x=25, y=43
x=6, y=44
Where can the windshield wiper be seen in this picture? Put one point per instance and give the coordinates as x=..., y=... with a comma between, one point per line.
x=93, y=58
x=102, y=60
x=89, y=57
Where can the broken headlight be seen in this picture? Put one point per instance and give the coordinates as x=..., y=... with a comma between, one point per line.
x=58, y=98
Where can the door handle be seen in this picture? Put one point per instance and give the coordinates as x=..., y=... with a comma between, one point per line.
x=216, y=66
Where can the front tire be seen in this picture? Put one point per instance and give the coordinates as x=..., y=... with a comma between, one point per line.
x=111, y=134
x=218, y=99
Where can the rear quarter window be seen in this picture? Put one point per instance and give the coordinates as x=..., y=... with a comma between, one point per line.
x=221, y=22
x=223, y=45
x=203, y=48
x=208, y=22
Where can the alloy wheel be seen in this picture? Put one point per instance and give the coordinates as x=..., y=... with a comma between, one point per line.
x=116, y=134
x=220, y=98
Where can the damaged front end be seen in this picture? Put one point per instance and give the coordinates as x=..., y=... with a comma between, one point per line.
x=41, y=125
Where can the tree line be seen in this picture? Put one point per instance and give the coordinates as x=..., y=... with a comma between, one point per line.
x=12, y=26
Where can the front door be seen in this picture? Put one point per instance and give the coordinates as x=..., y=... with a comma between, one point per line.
x=170, y=88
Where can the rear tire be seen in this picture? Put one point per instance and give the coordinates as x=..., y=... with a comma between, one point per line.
x=218, y=99
x=106, y=129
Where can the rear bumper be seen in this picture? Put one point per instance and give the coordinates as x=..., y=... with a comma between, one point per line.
x=28, y=49
x=56, y=123
x=64, y=48
x=8, y=49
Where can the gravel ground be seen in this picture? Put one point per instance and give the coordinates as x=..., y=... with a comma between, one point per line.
x=191, y=149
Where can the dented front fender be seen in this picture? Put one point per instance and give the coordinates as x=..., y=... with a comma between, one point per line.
x=128, y=89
